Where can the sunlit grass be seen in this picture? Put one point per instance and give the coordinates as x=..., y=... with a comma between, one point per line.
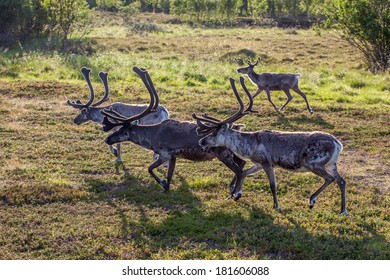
x=62, y=196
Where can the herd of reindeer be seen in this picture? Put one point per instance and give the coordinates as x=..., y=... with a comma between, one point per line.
x=150, y=127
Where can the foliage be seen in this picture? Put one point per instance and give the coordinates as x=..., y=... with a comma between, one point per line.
x=365, y=24
x=208, y=9
x=68, y=16
x=109, y=5
x=20, y=20
x=127, y=12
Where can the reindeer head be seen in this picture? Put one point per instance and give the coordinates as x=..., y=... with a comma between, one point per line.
x=214, y=131
x=249, y=69
x=113, y=119
x=88, y=110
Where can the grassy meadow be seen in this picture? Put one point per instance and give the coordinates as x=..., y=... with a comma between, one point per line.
x=63, y=196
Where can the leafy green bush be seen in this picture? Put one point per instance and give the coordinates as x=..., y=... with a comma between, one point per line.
x=21, y=20
x=365, y=24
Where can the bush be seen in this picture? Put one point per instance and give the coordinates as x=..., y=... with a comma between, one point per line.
x=365, y=24
x=21, y=20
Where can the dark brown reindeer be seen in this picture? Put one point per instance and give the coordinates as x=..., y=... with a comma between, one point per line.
x=91, y=112
x=317, y=152
x=272, y=81
x=169, y=139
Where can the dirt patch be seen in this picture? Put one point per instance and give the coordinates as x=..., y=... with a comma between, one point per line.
x=368, y=169
x=33, y=89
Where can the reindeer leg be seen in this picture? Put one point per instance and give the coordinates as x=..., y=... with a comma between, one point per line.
x=257, y=92
x=328, y=179
x=230, y=162
x=269, y=98
x=252, y=170
x=233, y=183
x=116, y=152
x=154, y=165
x=289, y=97
x=171, y=168
x=155, y=157
x=341, y=183
x=269, y=170
x=113, y=150
x=297, y=90
x=119, y=155
x=236, y=188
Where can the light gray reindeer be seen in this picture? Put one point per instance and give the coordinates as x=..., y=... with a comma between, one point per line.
x=273, y=81
x=170, y=139
x=317, y=152
x=90, y=112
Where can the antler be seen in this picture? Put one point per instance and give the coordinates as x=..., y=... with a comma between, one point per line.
x=153, y=104
x=104, y=78
x=207, y=124
x=256, y=63
x=86, y=72
x=250, y=105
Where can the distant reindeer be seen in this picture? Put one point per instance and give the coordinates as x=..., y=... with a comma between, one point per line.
x=317, y=152
x=90, y=112
x=169, y=139
x=271, y=81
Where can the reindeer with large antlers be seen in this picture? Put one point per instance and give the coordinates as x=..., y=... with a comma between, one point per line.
x=317, y=152
x=169, y=139
x=91, y=112
x=273, y=81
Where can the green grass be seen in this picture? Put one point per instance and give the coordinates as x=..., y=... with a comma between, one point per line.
x=62, y=196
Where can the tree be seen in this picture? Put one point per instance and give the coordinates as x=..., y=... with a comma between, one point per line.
x=68, y=15
x=20, y=20
x=365, y=24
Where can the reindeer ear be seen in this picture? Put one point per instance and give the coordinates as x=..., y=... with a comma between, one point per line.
x=239, y=126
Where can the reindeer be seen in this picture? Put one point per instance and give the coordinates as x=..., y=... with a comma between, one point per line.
x=170, y=139
x=91, y=112
x=317, y=152
x=270, y=81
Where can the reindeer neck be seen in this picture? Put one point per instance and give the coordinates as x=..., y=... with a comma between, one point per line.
x=142, y=135
x=96, y=115
x=239, y=142
x=254, y=77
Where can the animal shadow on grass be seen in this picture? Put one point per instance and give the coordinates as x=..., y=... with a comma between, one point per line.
x=294, y=122
x=190, y=228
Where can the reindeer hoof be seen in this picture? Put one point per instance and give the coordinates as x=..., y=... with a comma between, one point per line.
x=311, y=202
x=237, y=197
x=165, y=185
x=345, y=212
x=114, y=150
